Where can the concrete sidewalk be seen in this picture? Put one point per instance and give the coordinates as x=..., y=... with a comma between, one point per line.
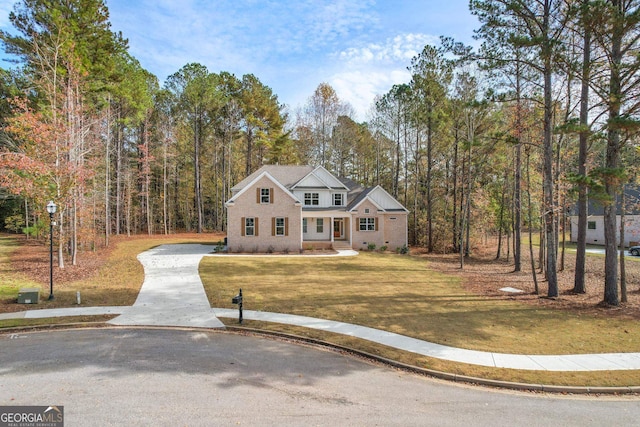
x=582, y=362
x=173, y=295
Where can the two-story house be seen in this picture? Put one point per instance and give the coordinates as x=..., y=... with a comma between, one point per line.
x=289, y=208
x=595, y=218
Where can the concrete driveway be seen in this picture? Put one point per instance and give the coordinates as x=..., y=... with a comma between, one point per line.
x=168, y=377
x=602, y=252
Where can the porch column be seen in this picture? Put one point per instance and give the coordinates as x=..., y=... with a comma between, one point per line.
x=332, y=228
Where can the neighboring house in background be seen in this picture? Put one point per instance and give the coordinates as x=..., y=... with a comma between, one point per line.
x=289, y=208
x=595, y=219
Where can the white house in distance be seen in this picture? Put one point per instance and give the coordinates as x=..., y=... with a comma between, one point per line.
x=595, y=219
x=290, y=208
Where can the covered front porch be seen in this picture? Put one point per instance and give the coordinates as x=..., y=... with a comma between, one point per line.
x=321, y=230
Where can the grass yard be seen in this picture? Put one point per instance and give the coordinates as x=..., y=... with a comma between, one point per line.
x=10, y=280
x=402, y=295
x=105, y=278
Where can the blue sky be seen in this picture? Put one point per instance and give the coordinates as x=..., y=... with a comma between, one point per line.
x=360, y=47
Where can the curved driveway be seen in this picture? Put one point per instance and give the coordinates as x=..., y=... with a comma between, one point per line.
x=142, y=377
x=173, y=295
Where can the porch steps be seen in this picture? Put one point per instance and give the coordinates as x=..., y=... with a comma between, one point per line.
x=341, y=245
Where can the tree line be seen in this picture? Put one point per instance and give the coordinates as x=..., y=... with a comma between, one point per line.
x=502, y=139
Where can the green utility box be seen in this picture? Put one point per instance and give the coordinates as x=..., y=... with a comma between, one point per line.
x=28, y=296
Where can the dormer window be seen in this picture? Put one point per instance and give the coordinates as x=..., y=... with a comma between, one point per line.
x=338, y=199
x=311, y=199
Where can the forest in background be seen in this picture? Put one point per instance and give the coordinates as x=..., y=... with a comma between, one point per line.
x=504, y=139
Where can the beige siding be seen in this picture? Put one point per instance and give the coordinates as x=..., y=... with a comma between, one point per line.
x=248, y=205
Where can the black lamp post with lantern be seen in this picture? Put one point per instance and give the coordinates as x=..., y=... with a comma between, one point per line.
x=51, y=209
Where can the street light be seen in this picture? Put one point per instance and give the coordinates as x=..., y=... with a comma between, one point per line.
x=51, y=208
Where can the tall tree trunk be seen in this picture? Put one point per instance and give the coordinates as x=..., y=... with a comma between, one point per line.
x=500, y=220
x=467, y=249
x=581, y=247
x=531, y=256
x=456, y=143
x=612, y=158
x=196, y=172
x=548, y=185
x=517, y=207
x=429, y=167
x=396, y=175
x=416, y=192
x=165, y=188
x=517, y=178
x=623, y=272
x=147, y=177
x=119, y=172
x=107, y=177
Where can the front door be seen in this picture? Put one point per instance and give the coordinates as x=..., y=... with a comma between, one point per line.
x=338, y=228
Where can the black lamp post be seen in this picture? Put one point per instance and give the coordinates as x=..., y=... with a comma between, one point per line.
x=51, y=208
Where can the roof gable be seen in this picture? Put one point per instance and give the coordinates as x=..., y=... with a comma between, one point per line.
x=285, y=175
x=380, y=198
x=320, y=178
x=632, y=203
x=247, y=186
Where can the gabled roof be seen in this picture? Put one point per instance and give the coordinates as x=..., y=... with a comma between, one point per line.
x=257, y=177
x=632, y=203
x=320, y=177
x=289, y=178
x=285, y=175
x=380, y=198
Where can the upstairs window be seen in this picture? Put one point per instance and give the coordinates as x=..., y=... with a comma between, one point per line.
x=311, y=199
x=338, y=199
x=265, y=195
x=591, y=225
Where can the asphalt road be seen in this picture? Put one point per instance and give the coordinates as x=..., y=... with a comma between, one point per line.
x=163, y=377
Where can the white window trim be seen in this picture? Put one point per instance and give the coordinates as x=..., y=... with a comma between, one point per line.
x=280, y=229
x=251, y=227
x=313, y=199
x=367, y=224
x=265, y=196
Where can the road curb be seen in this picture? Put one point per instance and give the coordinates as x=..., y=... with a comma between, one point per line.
x=543, y=388
x=546, y=388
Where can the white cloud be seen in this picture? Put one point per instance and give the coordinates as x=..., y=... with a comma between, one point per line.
x=240, y=36
x=402, y=47
x=359, y=88
x=371, y=69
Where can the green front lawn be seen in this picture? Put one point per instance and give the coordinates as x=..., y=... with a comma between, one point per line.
x=402, y=295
